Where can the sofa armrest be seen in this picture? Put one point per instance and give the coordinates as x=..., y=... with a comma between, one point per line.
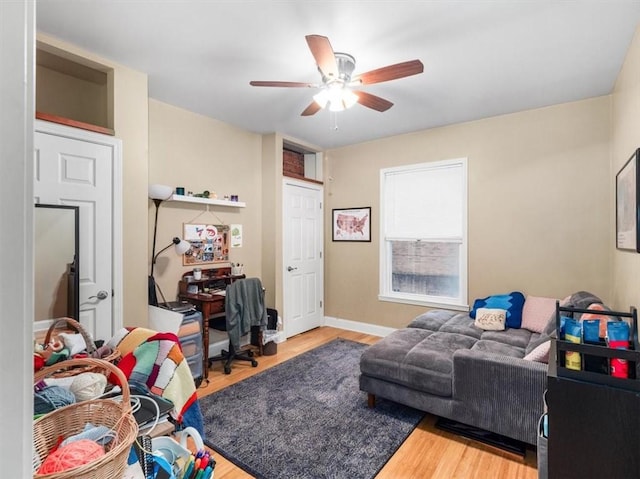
x=500, y=393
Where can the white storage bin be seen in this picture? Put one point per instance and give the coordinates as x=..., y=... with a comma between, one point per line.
x=195, y=364
x=175, y=451
x=191, y=345
x=191, y=324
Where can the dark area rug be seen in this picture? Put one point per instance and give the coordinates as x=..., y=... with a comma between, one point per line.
x=307, y=418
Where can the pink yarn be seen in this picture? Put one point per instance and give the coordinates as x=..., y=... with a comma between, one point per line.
x=72, y=455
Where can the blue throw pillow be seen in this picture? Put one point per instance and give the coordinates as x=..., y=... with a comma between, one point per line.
x=512, y=303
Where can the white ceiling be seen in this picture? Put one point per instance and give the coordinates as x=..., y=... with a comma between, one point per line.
x=481, y=58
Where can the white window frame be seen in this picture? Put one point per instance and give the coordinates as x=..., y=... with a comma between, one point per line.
x=386, y=293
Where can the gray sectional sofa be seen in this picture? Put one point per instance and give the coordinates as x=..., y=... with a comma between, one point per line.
x=443, y=364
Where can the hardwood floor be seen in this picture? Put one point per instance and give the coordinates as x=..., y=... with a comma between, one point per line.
x=428, y=453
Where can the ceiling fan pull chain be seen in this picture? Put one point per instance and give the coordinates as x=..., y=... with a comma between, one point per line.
x=333, y=118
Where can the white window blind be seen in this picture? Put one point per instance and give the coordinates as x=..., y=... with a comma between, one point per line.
x=424, y=203
x=423, y=244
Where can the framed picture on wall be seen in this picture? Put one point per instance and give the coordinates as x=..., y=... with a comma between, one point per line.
x=351, y=224
x=628, y=204
x=209, y=244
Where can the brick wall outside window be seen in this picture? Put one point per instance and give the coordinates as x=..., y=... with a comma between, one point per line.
x=293, y=164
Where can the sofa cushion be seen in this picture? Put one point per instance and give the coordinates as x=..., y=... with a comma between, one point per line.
x=461, y=324
x=384, y=359
x=519, y=338
x=432, y=319
x=417, y=358
x=512, y=302
x=497, y=347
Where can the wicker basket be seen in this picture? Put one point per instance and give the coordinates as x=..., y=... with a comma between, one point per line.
x=91, y=348
x=71, y=420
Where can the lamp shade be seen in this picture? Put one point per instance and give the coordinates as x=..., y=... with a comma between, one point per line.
x=160, y=192
x=182, y=247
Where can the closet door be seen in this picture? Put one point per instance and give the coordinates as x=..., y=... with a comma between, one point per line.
x=78, y=168
x=303, y=273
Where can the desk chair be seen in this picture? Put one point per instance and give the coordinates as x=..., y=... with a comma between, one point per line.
x=244, y=308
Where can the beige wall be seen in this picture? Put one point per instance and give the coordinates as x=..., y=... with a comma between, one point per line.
x=625, y=139
x=539, y=206
x=271, y=219
x=199, y=153
x=130, y=122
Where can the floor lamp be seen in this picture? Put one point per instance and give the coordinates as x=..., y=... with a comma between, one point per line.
x=158, y=194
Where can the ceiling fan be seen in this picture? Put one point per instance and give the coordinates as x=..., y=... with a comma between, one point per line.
x=336, y=88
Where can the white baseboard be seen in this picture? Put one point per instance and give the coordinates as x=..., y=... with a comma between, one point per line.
x=357, y=326
x=219, y=341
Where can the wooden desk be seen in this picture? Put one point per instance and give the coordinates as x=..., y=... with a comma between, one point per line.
x=207, y=302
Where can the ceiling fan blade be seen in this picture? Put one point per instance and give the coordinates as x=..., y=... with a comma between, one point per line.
x=391, y=72
x=323, y=54
x=285, y=84
x=372, y=101
x=312, y=109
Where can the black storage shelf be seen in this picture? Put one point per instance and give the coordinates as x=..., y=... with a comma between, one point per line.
x=631, y=355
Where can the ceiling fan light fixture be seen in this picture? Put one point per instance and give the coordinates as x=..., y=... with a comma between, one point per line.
x=336, y=98
x=348, y=98
x=321, y=98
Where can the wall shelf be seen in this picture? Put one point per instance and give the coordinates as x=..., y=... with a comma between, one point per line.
x=207, y=201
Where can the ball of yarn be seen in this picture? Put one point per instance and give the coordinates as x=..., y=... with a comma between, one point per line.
x=38, y=362
x=72, y=455
x=56, y=345
x=102, y=352
x=88, y=386
x=51, y=398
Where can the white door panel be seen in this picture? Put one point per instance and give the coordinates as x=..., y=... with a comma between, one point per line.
x=79, y=171
x=303, y=264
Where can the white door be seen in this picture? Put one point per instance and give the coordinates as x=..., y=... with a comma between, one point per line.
x=303, y=264
x=79, y=168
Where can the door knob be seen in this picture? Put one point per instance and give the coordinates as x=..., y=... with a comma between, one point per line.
x=102, y=294
x=289, y=268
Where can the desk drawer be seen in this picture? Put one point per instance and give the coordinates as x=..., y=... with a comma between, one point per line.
x=217, y=307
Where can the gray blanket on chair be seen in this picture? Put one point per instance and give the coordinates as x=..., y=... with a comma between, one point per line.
x=244, y=306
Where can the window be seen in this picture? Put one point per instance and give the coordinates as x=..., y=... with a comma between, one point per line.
x=423, y=234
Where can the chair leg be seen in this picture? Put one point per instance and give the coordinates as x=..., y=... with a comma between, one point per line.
x=229, y=356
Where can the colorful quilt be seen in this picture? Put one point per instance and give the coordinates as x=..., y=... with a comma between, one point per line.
x=156, y=359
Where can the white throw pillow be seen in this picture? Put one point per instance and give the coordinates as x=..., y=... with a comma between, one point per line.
x=491, y=319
